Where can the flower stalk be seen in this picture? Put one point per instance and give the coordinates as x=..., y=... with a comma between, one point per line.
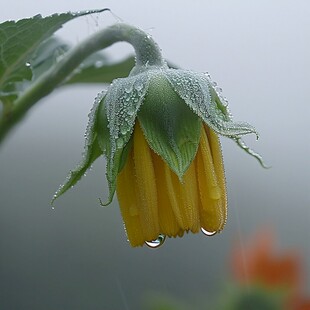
x=147, y=54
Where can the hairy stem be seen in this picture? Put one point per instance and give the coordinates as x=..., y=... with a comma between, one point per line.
x=147, y=53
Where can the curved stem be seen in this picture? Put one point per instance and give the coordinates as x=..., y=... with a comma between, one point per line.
x=147, y=53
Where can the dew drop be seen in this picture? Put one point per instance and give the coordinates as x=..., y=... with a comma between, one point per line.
x=128, y=90
x=27, y=64
x=139, y=87
x=208, y=233
x=98, y=64
x=131, y=111
x=119, y=142
x=157, y=242
x=124, y=129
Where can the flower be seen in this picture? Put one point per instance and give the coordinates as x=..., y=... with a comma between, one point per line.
x=158, y=130
x=257, y=265
x=154, y=201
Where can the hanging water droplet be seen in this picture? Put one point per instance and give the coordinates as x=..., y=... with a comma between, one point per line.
x=208, y=233
x=157, y=242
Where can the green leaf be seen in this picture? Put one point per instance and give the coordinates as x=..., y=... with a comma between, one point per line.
x=170, y=127
x=20, y=39
x=98, y=69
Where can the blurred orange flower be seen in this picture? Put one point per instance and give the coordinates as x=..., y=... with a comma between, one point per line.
x=257, y=263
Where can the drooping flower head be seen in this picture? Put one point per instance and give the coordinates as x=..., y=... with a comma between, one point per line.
x=158, y=130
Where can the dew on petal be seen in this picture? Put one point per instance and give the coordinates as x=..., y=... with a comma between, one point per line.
x=208, y=233
x=157, y=242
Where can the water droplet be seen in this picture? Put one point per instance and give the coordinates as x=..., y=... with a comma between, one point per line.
x=157, y=242
x=208, y=233
x=27, y=64
x=119, y=142
x=139, y=87
x=128, y=89
x=98, y=64
x=131, y=111
x=124, y=129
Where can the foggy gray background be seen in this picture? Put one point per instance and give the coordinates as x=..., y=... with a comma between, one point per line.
x=76, y=256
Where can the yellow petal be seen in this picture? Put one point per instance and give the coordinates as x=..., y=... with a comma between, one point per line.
x=217, y=156
x=167, y=221
x=211, y=182
x=129, y=202
x=184, y=198
x=146, y=186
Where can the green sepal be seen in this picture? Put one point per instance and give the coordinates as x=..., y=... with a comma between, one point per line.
x=116, y=120
x=201, y=95
x=125, y=154
x=170, y=127
x=91, y=153
x=116, y=162
x=102, y=129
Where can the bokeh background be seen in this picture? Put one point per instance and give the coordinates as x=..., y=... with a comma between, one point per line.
x=77, y=256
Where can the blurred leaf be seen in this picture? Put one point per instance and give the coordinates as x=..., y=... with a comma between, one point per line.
x=43, y=58
x=18, y=42
x=97, y=69
x=252, y=297
x=47, y=55
x=159, y=301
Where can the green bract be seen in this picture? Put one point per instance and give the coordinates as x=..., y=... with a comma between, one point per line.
x=170, y=105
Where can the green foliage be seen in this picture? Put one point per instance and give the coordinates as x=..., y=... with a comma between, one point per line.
x=29, y=51
x=253, y=297
x=19, y=41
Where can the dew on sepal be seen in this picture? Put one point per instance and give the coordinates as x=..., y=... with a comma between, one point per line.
x=119, y=142
x=200, y=94
x=123, y=100
x=89, y=133
x=195, y=95
x=153, y=244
